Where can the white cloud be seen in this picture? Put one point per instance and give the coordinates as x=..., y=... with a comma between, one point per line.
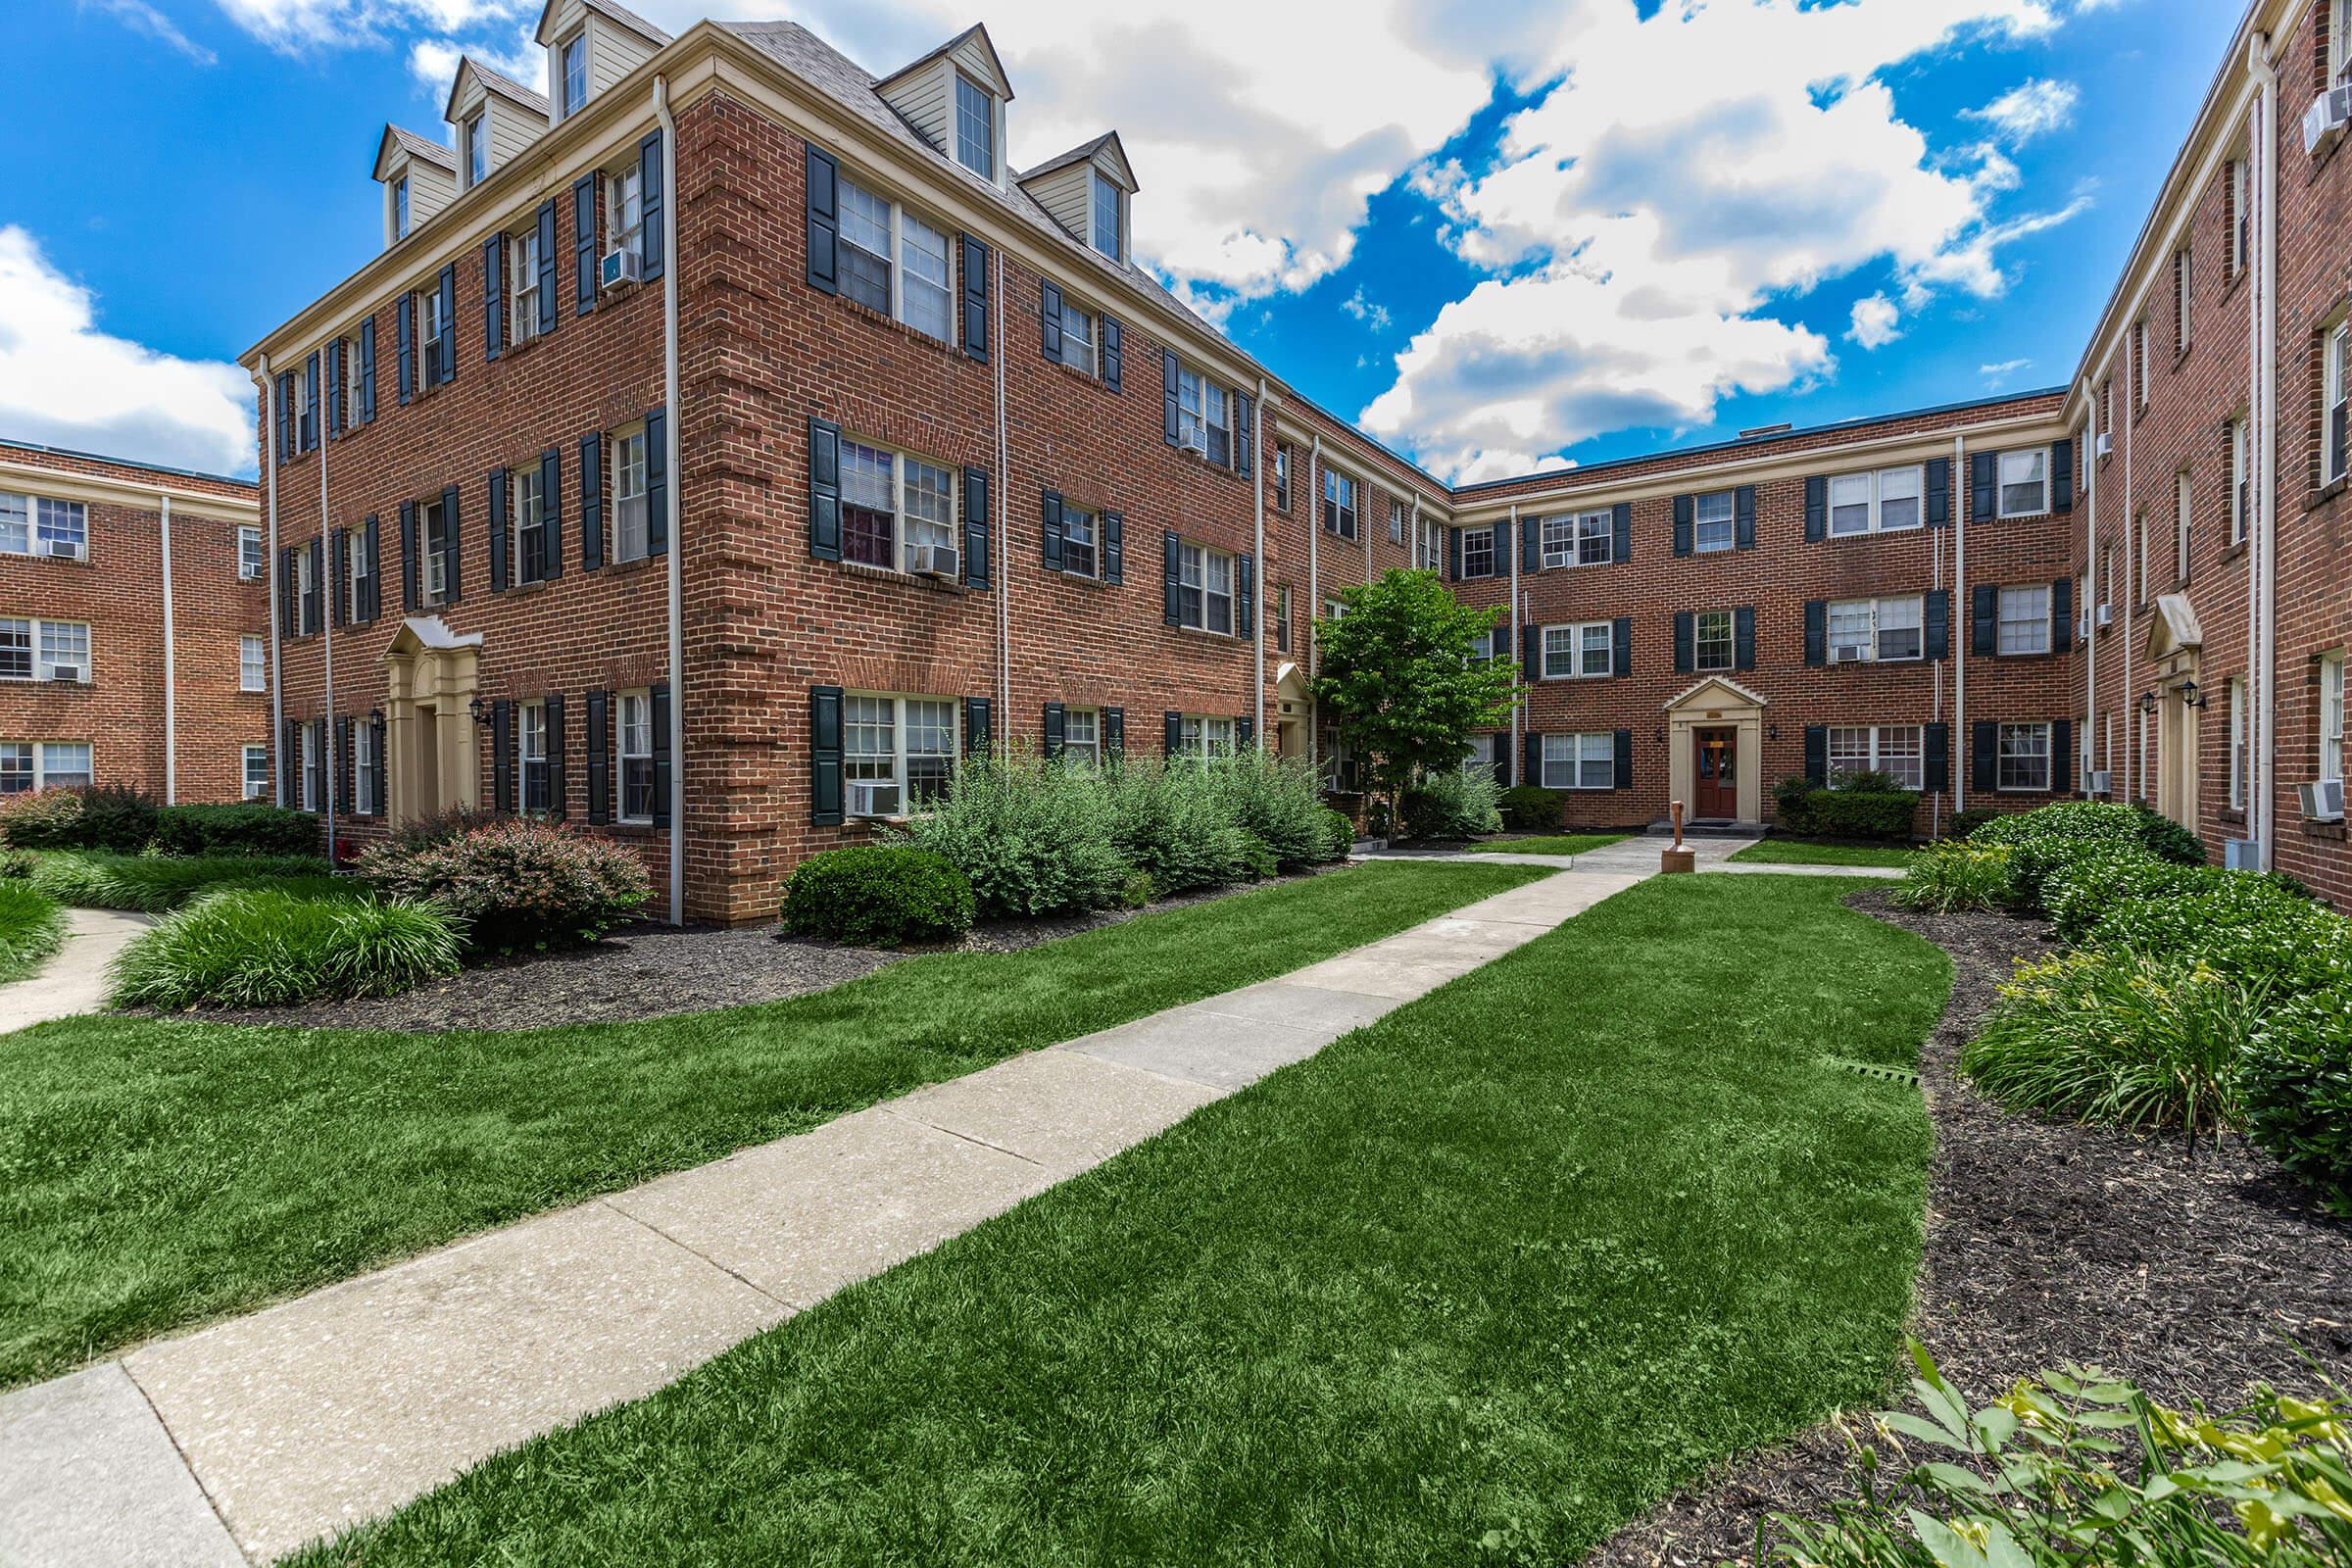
x=2030, y=109
x=1875, y=322
x=433, y=63
x=65, y=382
x=140, y=17
x=1997, y=375
x=1374, y=315
x=298, y=25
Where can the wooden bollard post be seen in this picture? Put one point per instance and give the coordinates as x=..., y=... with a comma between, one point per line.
x=1677, y=860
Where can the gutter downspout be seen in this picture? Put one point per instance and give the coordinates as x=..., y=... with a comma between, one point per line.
x=677, y=520
x=170, y=685
x=2266, y=359
x=1314, y=596
x=1936, y=703
x=999, y=533
x=1961, y=490
x=2135, y=726
x=1518, y=761
x=278, y=686
x=2090, y=600
x=1257, y=612
x=326, y=637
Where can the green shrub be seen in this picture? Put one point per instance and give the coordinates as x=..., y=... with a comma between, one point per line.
x=1257, y=859
x=31, y=928
x=1339, y=835
x=1032, y=838
x=116, y=817
x=1951, y=875
x=2257, y=929
x=1455, y=804
x=516, y=885
x=1277, y=800
x=248, y=827
x=878, y=896
x=265, y=946
x=2113, y=1036
x=2097, y=877
x=41, y=820
x=1531, y=809
x=1964, y=823
x=17, y=864
x=1169, y=819
x=2051, y=836
x=2296, y=1082
x=1863, y=806
x=100, y=879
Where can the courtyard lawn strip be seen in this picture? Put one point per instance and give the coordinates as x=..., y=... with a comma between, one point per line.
x=160, y=1173
x=1550, y=844
x=1796, y=851
x=1477, y=1283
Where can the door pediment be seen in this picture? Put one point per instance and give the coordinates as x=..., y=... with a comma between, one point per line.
x=1716, y=694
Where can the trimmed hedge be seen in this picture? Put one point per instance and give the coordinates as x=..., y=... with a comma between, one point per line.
x=2298, y=1091
x=1531, y=809
x=878, y=896
x=249, y=828
x=517, y=884
x=100, y=879
x=1865, y=807
x=1452, y=805
x=268, y=947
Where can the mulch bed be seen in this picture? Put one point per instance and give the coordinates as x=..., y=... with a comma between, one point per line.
x=653, y=971
x=2049, y=1243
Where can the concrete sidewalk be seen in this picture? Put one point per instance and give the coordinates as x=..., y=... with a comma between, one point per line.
x=237, y=1442
x=74, y=978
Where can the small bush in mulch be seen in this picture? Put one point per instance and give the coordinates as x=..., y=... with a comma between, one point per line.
x=268, y=946
x=1171, y=820
x=1867, y=807
x=1452, y=805
x=2298, y=1091
x=1278, y=802
x=246, y=827
x=517, y=884
x=1952, y=875
x=1032, y=836
x=100, y=879
x=1531, y=809
x=1339, y=835
x=2049, y=837
x=878, y=896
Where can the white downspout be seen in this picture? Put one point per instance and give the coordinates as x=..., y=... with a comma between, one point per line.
x=1519, y=708
x=1257, y=610
x=1935, y=692
x=1963, y=497
x=327, y=632
x=271, y=566
x=2091, y=575
x=2266, y=501
x=677, y=521
x=1314, y=595
x=171, y=686
x=2135, y=726
x=999, y=534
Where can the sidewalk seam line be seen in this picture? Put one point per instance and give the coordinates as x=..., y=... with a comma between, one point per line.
x=696, y=1251
x=185, y=1463
x=976, y=1142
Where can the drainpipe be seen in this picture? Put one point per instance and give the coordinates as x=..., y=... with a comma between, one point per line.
x=1963, y=496
x=2090, y=573
x=2266, y=486
x=171, y=686
x=678, y=518
x=326, y=630
x=1518, y=709
x=1314, y=596
x=1935, y=694
x=2134, y=726
x=278, y=686
x=1000, y=531
x=1257, y=612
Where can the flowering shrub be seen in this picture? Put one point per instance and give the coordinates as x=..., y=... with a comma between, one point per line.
x=516, y=884
x=41, y=820
x=1953, y=875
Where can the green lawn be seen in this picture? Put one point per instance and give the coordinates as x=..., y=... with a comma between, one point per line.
x=1796, y=851
x=154, y=1173
x=1474, y=1285
x=1550, y=843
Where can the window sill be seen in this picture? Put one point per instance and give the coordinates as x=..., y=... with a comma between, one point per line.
x=860, y=568
x=911, y=333
x=2236, y=552
x=46, y=559
x=2180, y=356
x=2316, y=829
x=2326, y=493
x=2234, y=815
x=635, y=563
x=1188, y=455
x=1093, y=379
x=1206, y=631
x=1080, y=579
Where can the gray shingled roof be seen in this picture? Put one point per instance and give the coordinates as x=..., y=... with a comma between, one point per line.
x=1077, y=154
x=505, y=86
x=416, y=146
x=629, y=20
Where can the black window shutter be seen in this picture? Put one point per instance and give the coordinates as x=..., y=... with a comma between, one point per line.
x=975, y=528
x=367, y=371
x=1817, y=755
x=658, y=698
x=1245, y=595
x=546, y=266
x=408, y=556
x=1939, y=492
x=404, y=352
x=284, y=423
x=555, y=788
x=310, y=402
x=1535, y=758
x=288, y=749
x=1940, y=623
x=1245, y=731
x=1501, y=745
x=1115, y=547
x=1620, y=529
x=452, y=555
x=1984, y=484
x=2062, y=475
x=1937, y=765
x=310, y=611
x=976, y=299
x=289, y=624
x=1620, y=646
x=1684, y=632
x=1501, y=548
x=1744, y=517
x=2062, y=615
x=1984, y=768
x=1682, y=511
x=657, y=481
x=337, y=550
x=824, y=208
x=1168, y=371
x=379, y=768
x=583, y=248
x=1624, y=779
x=978, y=739
x=1817, y=631
x=1053, y=730
x=1111, y=353
x=494, y=283
x=334, y=388
x=1170, y=572
x=498, y=530
x=1244, y=446
x=1984, y=616
x=1114, y=732
x=1530, y=654
x=1171, y=732
x=824, y=489
x=1817, y=508
x=826, y=797
x=599, y=757
x=372, y=587
x=1531, y=545
x=2061, y=756
x=1454, y=555
x=651, y=240
x=1051, y=514
x=448, y=367
x=502, y=757
x=551, y=504
x=592, y=502
x=1743, y=637
x=1049, y=319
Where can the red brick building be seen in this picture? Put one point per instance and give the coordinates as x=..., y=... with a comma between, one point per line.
x=134, y=628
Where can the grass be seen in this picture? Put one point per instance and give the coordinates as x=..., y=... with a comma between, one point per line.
x=1474, y=1285
x=1798, y=851
x=31, y=928
x=101, y=879
x=1550, y=843
x=157, y=1173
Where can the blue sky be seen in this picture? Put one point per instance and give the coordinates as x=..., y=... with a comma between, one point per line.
x=1588, y=227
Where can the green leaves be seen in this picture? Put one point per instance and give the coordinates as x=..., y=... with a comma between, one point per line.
x=1405, y=673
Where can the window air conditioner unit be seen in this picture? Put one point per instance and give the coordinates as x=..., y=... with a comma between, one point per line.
x=2323, y=800
x=65, y=549
x=2106, y=615
x=68, y=673
x=2105, y=446
x=2101, y=782
x=934, y=560
x=2083, y=628
x=621, y=267
x=1195, y=441
x=2243, y=854
x=2327, y=117
x=1848, y=654
x=874, y=798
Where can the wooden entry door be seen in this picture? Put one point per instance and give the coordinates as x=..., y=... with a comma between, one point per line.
x=1715, y=775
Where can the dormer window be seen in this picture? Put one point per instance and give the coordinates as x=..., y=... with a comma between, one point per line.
x=400, y=208
x=477, y=148
x=572, y=84
x=975, y=128
x=1110, y=215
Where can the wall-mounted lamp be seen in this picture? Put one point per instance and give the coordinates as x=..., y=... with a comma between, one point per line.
x=2147, y=703
x=375, y=715
x=1661, y=734
x=1772, y=732
x=2191, y=697
x=481, y=715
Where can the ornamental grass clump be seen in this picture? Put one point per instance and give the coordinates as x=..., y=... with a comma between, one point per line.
x=30, y=927
x=516, y=885
x=267, y=946
x=1953, y=875
x=101, y=879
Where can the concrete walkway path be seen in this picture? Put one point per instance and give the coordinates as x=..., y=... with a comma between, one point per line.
x=73, y=980
x=237, y=1442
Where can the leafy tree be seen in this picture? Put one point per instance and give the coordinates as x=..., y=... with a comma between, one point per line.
x=1405, y=675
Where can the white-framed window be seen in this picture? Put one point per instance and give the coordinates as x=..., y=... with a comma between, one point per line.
x=1200, y=419
x=306, y=584
x=526, y=515
x=1204, y=588
x=1396, y=522
x=1107, y=216
x=1579, y=650
x=523, y=285
x=1204, y=735
x=1081, y=538
x=629, y=504
x=2183, y=501
x=2023, y=758
x=892, y=261
x=2024, y=619
x=44, y=765
x=1082, y=735
x=2238, y=216
x=1711, y=523
x=572, y=79
x=355, y=577
x=636, y=756
x=2184, y=286
x=2332, y=716
x=37, y=525
x=363, y=769
x=253, y=664
x=1432, y=548
x=255, y=762
x=1877, y=629
x=1582, y=761
x=1712, y=641
x=2024, y=482
x=1282, y=476
x=308, y=786
x=1577, y=539
x=1339, y=504
x=400, y=208
x=975, y=128
x=477, y=148
x=530, y=757
x=432, y=532
x=2238, y=743
x=2240, y=491
x=2139, y=364
x=1078, y=337
x=906, y=745
x=2335, y=441
x=1477, y=552
x=891, y=504
x=1885, y=501
x=44, y=650
x=429, y=328
x=625, y=211
x=251, y=559
x=1899, y=751
x=1487, y=753
x=347, y=355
